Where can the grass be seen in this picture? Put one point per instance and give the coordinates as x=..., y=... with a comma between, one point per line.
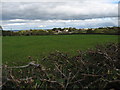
x=18, y=48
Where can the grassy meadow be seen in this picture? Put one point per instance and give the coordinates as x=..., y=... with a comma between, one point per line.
x=17, y=49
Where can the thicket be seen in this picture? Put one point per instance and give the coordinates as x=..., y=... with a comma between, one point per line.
x=97, y=69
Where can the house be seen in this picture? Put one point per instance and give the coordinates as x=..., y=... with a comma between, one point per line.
x=66, y=30
x=58, y=31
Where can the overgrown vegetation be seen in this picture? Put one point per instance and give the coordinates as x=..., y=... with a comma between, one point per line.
x=92, y=69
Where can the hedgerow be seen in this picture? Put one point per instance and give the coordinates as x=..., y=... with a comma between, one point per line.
x=97, y=68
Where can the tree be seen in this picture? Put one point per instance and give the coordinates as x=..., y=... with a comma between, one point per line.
x=50, y=31
x=1, y=28
x=90, y=31
x=54, y=29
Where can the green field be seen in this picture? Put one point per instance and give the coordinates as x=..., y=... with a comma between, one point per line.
x=18, y=48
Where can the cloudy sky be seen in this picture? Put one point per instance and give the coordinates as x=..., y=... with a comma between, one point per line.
x=46, y=15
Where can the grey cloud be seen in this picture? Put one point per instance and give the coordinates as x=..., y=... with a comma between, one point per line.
x=78, y=14
x=58, y=10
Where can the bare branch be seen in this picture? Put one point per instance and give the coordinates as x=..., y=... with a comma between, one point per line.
x=60, y=71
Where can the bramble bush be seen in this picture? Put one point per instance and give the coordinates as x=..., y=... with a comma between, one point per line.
x=97, y=68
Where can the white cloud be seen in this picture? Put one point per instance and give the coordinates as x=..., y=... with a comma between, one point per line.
x=56, y=0
x=41, y=26
x=46, y=24
x=17, y=20
x=14, y=24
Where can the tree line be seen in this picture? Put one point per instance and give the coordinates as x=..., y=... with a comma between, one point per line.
x=70, y=30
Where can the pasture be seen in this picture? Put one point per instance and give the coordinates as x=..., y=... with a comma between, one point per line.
x=17, y=49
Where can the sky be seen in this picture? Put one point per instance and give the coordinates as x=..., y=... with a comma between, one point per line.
x=48, y=15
